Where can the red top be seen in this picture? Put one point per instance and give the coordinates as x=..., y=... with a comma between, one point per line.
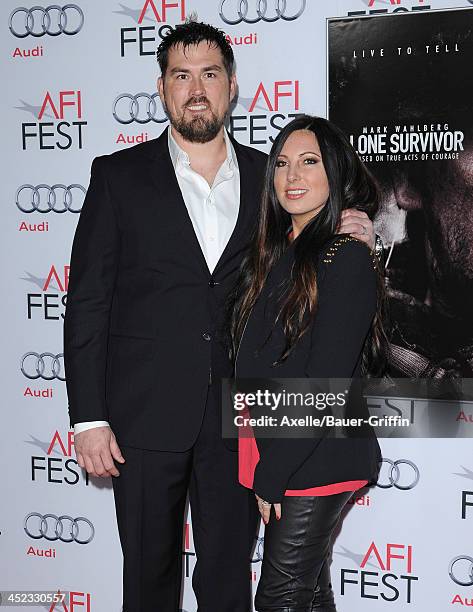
x=248, y=457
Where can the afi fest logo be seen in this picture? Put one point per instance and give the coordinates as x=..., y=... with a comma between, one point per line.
x=467, y=504
x=152, y=21
x=270, y=107
x=380, y=7
x=466, y=496
x=71, y=601
x=58, y=124
x=52, y=297
x=56, y=464
x=188, y=553
x=385, y=572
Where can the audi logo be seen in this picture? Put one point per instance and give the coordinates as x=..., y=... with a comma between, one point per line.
x=259, y=550
x=58, y=198
x=45, y=365
x=394, y=475
x=64, y=528
x=141, y=107
x=52, y=20
x=465, y=563
x=241, y=10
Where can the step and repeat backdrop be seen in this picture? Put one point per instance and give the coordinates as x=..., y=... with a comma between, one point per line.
x=79, y=80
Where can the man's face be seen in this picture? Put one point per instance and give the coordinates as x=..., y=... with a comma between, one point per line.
x=196, y=91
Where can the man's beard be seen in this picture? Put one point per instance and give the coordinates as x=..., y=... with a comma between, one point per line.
x=199, y=128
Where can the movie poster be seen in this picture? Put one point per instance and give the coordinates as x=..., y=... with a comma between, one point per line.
x=401, y=87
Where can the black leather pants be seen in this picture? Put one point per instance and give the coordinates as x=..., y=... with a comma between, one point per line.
x=295, y=572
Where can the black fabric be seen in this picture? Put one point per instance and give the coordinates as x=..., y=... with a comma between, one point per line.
x=323, y=595
x=295, y=556
x=331, y=348
x=143, y=322
x=150, y=496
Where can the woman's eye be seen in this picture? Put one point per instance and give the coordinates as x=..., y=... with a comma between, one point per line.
x=280, y=163
x=310, y=160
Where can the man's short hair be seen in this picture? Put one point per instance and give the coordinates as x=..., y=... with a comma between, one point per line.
x=192, y=33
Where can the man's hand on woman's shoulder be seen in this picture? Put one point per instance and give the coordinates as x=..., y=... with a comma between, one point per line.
x=359, y=225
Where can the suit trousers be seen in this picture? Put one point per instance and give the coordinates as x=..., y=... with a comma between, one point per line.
x=150, y=498
x=295, y=573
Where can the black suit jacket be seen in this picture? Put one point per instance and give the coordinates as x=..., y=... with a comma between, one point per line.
x=331, y=348
x=142, y=329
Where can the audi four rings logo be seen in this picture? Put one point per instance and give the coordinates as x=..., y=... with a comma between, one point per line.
x=141, y=107
x=64, y=528
x=52, y=20
x=394, y=474
x=259, y=550
x=463, y=566
x=237, y=11
x=57, y=198
x=45, y=365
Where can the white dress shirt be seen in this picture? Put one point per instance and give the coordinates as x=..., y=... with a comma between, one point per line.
x=213, y=211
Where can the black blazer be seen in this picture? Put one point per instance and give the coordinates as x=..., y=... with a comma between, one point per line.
x=331, y=348
x=142, y=329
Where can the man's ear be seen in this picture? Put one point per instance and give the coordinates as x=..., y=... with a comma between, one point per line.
x=161, y=88
x=405, y=191
x=233, y=86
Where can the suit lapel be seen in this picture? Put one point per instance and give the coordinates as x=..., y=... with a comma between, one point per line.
x=249, y=193
x=163, y=175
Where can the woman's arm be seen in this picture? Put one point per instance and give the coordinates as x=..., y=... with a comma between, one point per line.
x=347, y=305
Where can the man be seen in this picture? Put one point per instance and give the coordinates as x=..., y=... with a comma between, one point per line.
x=160, y=239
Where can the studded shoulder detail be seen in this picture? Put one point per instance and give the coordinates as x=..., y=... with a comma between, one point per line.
x=331, y=251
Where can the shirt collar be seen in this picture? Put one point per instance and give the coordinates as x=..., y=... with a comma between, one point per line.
x=179, y=156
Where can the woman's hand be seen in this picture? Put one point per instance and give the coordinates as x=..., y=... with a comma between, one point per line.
x=264, y=508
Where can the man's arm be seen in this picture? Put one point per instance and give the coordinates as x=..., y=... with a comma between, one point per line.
x=80, y=427
x=94, y=264
x=93, y=269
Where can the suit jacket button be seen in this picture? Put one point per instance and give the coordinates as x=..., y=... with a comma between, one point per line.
x=206, y=336
x=212, y=283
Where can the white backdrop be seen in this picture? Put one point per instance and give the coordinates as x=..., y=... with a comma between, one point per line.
x=398, y=540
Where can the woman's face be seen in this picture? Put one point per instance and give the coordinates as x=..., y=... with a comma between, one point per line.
x=299, y=180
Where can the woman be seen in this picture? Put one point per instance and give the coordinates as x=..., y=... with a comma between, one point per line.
x=307, y=305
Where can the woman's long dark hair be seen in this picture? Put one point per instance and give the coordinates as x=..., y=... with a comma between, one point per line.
x=350, y=185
